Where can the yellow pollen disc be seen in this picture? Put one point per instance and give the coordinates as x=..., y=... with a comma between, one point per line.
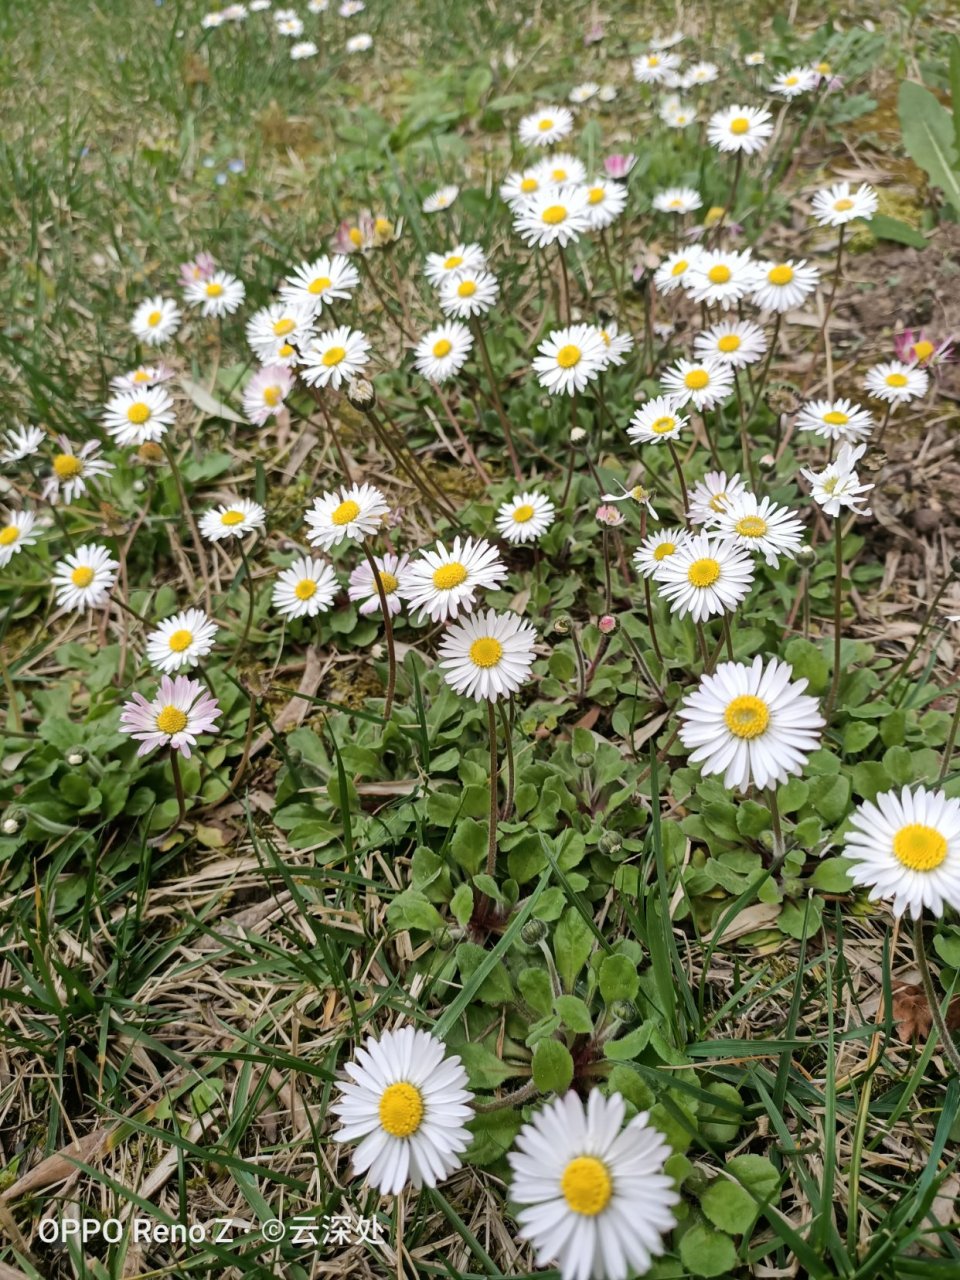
x=830, y=484
x=696, y=379
x=719, y=274
x=453, y=261
x=780, y=275
x=334, y=356
x=180, y=640
x=703, y=573
x=680, y=267
x=356, y=236
x=466, y=288
x=442, y=348
x=568, y=356
x=835, y=418
x=665, y=549
x=739, y=125
x=285, y=350
x=66, y=466
x=315, y=286
x=922, y=350
x=751, y=527
x=791, y=81
x=595, y=195
x=9, y=535
x=272, y=396
x=230, y=518
x=822, y=68
x=388, y=581
x=747, y=716
x=663, y=425
x=676, y=204
x=154, y=318
x=82, y=576
x=586, y=1185
x=486, y=652
x=729, y=342
x=896, y=379
x=305, y=588
x=347, y=511
x=653, y=61
x=918, y=847
x=523, y=514
x=141, y=376
x=138, y=413
x=718, y=502
x=171, y=720
x=401, y=1109
x=214, y=290
x=286, y=325
x=449, y=576
x=554, y=214
x=545, y=125
x=529, y=185
x=843, y=205
x=383, y=227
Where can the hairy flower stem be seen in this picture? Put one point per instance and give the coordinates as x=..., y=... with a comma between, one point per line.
x=581, y=664
x=565, y=287
x=779, y=846
x=946, y=1038
x=651, y=626
x=683, y=484
x=187, y=514
x=614, y=278
x=251, y=599
x=178, y=784
x=497, y=402
x=505, y=720
x=492, y=836
x=523, y=1094
x=765, y=372
x=837, y=610
x=387, y=632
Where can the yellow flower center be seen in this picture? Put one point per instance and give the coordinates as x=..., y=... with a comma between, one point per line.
x=529, y=185
x=180, y=640
x=653, y=61
x=822, y=68
x=751, y=527
x=286, y=325
x=747, y=716
x=466, y=288
x=305, y=588
x=568, y=356
x=586, y=1185
x=663, y=425
x=453, y=261
x=346, y=512
x=154, y=318
x=558, y=175
x=554, y=214
x=835, y=418
x=138, y=413
x=388, y=581
x=214, y=290
x=315, y=286
x=401, y=1109
x=449, y=576
x=718, y=502
x=383, y=227
x=595, y=195
x=729, y=342
x=780, y=275
x=830, y=484
x=272, y=396
x=843, y=204
x=676, y=202
x=896, y=379
x=523, y=513
x=141, y=375
x=66, y=466
x=486, y=652
x=172, y=720
x=696, y=379
x=922, y=350
x=919, y=847
x=545, y=125
x=285, y=350
x=739, y=125
x=679, y=267
x=9, y=535
x=442, y=348
x=703, y=573
x=334, y=356
x=719, y=274
x=356, y=236
x=665, y=549
x=230, y=518
x=791, y=81
x=82, y=576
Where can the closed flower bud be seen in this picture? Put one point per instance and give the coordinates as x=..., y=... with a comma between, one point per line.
x=76, y=755
x=562, y=625
x=624, y=1010
x=533, y=932
x=807, y=557
x=610, y=842
x=767, y=463
x=12, y=822
x=607, y=624
x=361, y=394
x=584, y=759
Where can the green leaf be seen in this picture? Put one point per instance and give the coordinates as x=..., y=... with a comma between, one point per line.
x=728, y=1206
x=887, y=228
x=898, y=763
x=469, y=844
x=929, y=139
x=808, y=660
x=461, y=904
x=618, y=979
x=799, y=919
x=955, y=91
x=552, y=1067
x=412, y=910
x=705, y=1252
x=574, y=1014
x=831, y=876
x=857, y=734
x=535, y=988
x=572, y=944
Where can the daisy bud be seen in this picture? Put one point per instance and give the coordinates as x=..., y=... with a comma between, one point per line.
x=767, y=463
x=12, y=822
x=577, y=434
x=610, y=842
x=607, y=624
x=294, y=757
x=624, y=1010
x=807, y=557
x=361, y=394
x=150, y=452
x=533, y=932
x=75, y=756
x=584, y=759
x=562, y=625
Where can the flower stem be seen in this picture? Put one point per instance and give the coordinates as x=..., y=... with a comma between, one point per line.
x=511, y=768
x=387, y=632
x=492, y=837
x=946, y=1039
x=497, y=402
x=251, y=600
x=178, y=784
x=194, y=531
x=837, y=607
x=683, y=484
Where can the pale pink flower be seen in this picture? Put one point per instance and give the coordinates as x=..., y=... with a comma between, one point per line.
x=181, y=709
x=200, y=267
x=618, y=165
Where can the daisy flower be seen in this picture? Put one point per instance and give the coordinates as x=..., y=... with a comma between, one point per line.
x=838, y=485
x=618, y=165
x=265, y=392
x=289, y=26
x=442, y=583
x=782, y=286
x=705, y=576
x=755, y=59
x=916, y=348
x=667, y=41
x=72, y=468
x=200, y=267
x=906, y=847
x=745, y=129
x=752, y=724
x=616, y=345
x=334, y=357
x=16, y=532
x=700, y=73
x=606, y=200
x=673, y=270
x=277, y=333
x=181, y=709
x=139, y=417
x=324, y=280
x=407, y=1101
x=655, y=548
x=390, y=570
x=145, y=375
x=221, y=295
x=306, y=588
x=462, y=257
x=234, y=519
x=594, y=1194
x=677, y=200
x=790, y=84
x=525, y=518
x=557, y=215
x=721, y=277
x=156, y=320
x=561, y=170
x=896, y=383
x=711, y=496
x=655, y=68
x=834, y=206
x=352, y=511
x=517, y=188
x=758, y=524
x=488, y=656
x=303, y=49
x=678, y=116
x=440, y=199
x=544, y=127
x=835, y=420
x=583, y=92
x=637, y=494
x=656, y=421
x=359, y=44
x=21, y=442
x=181, y=641
x=469, y=293
x=84, y=578
x=443, y=351
x=704, y=383
x=569, y=358
x=734, y=342
x=350, y=7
